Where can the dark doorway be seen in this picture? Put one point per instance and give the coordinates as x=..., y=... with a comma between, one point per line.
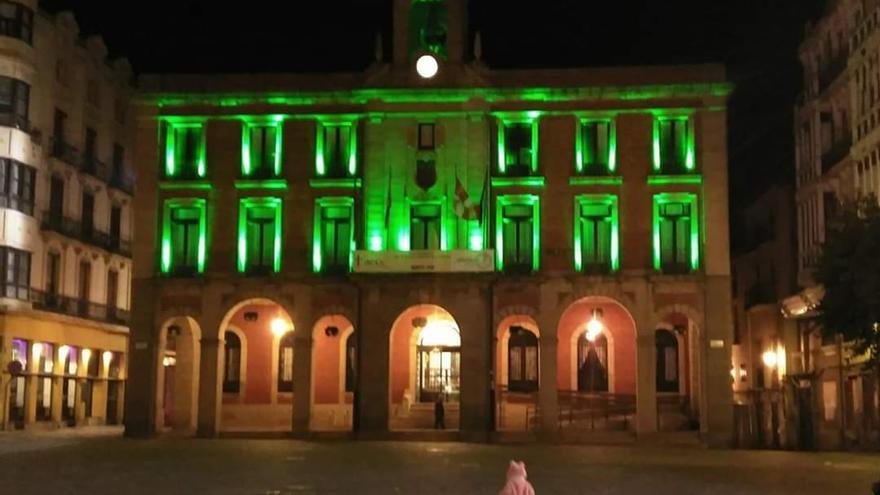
x=522, y=360
x=667, y=361
x=592, y=364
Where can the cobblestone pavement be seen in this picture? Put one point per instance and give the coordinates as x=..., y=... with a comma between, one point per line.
x=74, y=464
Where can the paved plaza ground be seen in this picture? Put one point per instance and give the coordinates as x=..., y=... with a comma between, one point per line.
x=106, y=464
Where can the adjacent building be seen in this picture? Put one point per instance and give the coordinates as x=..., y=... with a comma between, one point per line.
x=833, y=400
x=544, y=251
x=65, y=209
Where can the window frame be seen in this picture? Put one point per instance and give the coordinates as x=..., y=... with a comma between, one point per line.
x=610, y=200
x=318, y=241
x=695, y=230
x=21, y=26
x=322, y=169
x=532, y=200
x=532, y=118
x=171, y=169
x=20, y=271
x=261, y=202
x=166, y=256
x=22, y=197
x=689, y=166
x=250, y=170
x=232, y=386
x=441, y=205
x=583, y=168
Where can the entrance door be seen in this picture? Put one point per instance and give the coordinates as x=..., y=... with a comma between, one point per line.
x=522, y=360
x=592, y=372
x=667, y=361
x=439, y=373
x=168, y=394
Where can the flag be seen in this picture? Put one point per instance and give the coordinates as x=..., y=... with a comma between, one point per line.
x=388, y=203
x=464, y=207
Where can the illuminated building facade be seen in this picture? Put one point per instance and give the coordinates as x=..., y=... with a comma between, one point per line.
x=65, y=201
x=546, y=251
x=837, y=160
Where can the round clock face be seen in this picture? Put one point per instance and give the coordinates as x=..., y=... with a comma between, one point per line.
x=427, y=66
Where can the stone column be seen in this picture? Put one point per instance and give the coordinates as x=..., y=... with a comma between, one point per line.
x=474, y=319
x=646, y=384
x=144, y=363
x=57, y=384
x=30, y=399
x=372, y=334
x=302, y=371
x=548, y=391
x=717, y=416
x=209, y=385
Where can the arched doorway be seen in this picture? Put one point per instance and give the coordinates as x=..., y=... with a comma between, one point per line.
x=678, y=364
x=517, y=371
x=333, y=374
x=177, y=382
x=592, y=363
x=257, y=357
x=425, y=351
x=596, y=366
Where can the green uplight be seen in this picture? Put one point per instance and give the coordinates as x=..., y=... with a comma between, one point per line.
x=691, y=200
x=168, y=262
x=249, y=123
x=375, y=242
x=659, y=180
x=581, y=203
x=595, y=181
x=245, y=204
x=317, y=228
x=272, y=184
x=475, y=241
x=656, y=145
x=518, y=181
x=532, y=200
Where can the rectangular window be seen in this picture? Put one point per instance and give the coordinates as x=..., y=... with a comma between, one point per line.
x=426, y=137
x=676, y=234
x=596, y=234
x=118, y=160
x=53, y=273
x=673, y=146
x=595, y=147
x=115, y=224
x=261, y=153
x=518, y=148
x=16, y=267
x=16, y=21
x=260, y=235
x=14, y=102
x=334, y=232
x=88, y=214
x=517, y=224
x=336, y=150
x=112, y=289
x=17, y=186
x=56, y=201
x=183, y=237
x=425, y=227
x=184, y=150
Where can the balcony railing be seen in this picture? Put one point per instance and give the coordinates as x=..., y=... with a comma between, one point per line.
x=836, y=153
x=116, y=175
x=865, y=29
x=81, y=308
x=70, y=227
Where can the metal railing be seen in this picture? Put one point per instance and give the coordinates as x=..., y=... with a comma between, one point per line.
x=115, y=176
x=597, y=410
x=81, y=308
x=70, y=227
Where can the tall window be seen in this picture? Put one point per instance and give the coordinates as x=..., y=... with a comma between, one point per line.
x=337, y=145
x=16, y=21
x=522, y=360
x=675, y=233
x=14, y=102
x=115, y=225
x=88, y=214
x=185, y=150
x=424, y=230
x=231, y=363
x=667, y=361
x=592, y=364
x=59, y=144
x=85, y=287
x=262, y=151
x=44, y=367
x=17, y=186
x=112, y=290
x=334, y=235
x=518, y=145
x=90, y=151
x=260, y=246
x=16, y=266
x=517, y=242
x=118, y=160
x=595, y=155
x=596, y=232
x=53, y=273
x=183, y=243
x=56, y=200
x=673, y=143
x=285, y=363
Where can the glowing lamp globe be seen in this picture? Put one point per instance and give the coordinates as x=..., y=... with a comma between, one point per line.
x=279, y=326
x=427, y=66
x=770, y=359
x=594, y=329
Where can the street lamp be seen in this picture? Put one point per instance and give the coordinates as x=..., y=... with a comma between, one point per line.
x=769, y=359
x=594, y=326
x=279, y=326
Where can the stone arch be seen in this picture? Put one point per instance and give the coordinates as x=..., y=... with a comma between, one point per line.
x=690, y=357
x=502, y=337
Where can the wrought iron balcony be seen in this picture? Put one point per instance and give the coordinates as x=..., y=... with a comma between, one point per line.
x=65, y=151
x=81, y=308
x=70, y=227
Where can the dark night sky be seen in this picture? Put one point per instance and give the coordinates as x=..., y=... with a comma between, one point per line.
x=757, y=39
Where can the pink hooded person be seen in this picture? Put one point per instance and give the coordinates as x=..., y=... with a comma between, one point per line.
x=517, y=484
